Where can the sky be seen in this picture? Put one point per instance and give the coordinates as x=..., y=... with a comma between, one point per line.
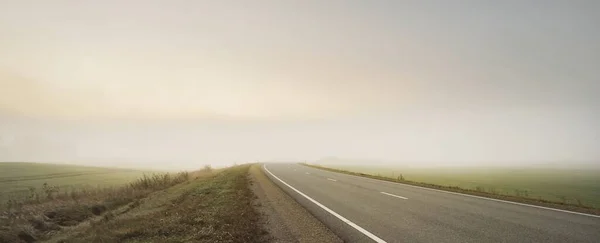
x=180, y=84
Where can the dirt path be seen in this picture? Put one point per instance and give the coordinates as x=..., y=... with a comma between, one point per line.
x=286, y=220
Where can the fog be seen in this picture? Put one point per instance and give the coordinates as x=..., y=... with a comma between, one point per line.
x=180, y=84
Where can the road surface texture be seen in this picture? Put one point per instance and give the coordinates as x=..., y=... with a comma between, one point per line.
x=360, y=209
x=286, y=220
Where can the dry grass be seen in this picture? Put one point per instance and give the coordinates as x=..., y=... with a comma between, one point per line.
x=45, y=211
x=520, y=196
x=204, y=206
x=216, y=208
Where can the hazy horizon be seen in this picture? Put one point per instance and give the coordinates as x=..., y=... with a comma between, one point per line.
x=180, y=84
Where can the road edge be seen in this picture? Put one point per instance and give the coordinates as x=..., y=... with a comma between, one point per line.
x=590, y=212
x=286, y=220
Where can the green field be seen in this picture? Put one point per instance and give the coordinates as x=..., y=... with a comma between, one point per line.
x=17, y=178
x=559, y=185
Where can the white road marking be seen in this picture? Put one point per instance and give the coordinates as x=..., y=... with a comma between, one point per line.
x=331, y=179
x=479, y=197
x=340, y=217
x=389, y=194
x=307, y=173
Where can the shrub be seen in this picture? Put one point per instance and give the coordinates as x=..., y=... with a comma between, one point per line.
x=206, y=168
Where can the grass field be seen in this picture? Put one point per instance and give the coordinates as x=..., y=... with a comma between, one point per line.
x=573, y=186
x=17, y=178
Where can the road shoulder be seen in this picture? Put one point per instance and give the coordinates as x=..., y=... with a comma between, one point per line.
x=285, y=219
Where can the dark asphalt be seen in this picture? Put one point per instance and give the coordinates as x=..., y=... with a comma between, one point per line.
x=427, y=215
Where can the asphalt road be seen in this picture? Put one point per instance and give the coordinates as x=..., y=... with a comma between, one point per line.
x=366, y=210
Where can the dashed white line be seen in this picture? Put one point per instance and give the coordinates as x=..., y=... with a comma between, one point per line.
x=307, y=173
x=340, y=217
x=473, y=196
x=331, y=179
x=389, y=194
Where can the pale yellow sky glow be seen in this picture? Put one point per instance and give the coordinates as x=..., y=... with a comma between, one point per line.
x=422, y=82
x=80, y=60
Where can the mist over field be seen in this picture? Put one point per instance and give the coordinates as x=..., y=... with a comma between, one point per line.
x=107, y=84
x=191, y=144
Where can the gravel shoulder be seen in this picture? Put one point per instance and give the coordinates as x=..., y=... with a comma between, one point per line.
x=284, y=218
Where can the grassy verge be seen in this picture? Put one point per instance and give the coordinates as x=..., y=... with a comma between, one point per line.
x=209, y=206
x=46, y=213
x=215, y=208
x=477, y=192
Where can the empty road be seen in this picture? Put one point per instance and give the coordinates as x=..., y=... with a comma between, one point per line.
x=365, y=210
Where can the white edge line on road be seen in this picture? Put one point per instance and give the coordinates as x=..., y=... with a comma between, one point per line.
x=473, y=196
x=389, y=194
x=353, y=225
x=331, y=179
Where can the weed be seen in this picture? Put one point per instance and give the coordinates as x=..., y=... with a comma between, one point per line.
x=521, y=193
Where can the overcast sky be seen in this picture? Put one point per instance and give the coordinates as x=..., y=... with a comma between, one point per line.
x=183, y=83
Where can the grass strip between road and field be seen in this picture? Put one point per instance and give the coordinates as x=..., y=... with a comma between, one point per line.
x=208, y=206
x=512, y=198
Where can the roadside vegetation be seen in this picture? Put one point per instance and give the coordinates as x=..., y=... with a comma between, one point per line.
x=202, y=206
x=495, y=190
